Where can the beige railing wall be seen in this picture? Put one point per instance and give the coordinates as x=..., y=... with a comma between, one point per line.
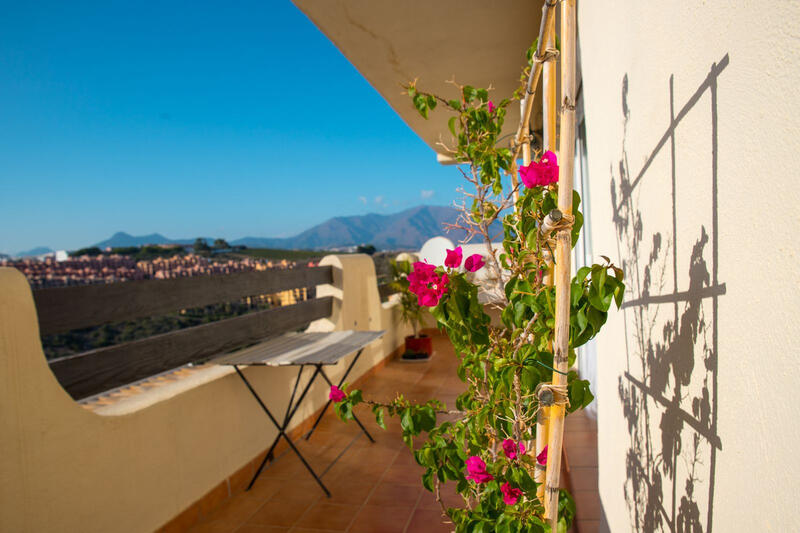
x=64, y=468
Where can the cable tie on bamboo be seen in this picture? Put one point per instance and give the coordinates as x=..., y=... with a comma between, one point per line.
x=550, y=221
x=550, y=394
x=554, y=222
x=550, y=54
x=565, y=223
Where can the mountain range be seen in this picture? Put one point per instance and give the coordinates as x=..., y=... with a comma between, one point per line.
x=406, y=230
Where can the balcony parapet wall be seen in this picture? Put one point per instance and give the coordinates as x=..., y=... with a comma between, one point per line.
x=64, y=468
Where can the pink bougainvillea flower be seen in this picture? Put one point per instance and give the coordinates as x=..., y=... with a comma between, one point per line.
x=490, y=106
x=540, y=173
x=510, y=494
x=336, y=395
x=453, y=259
x=512, y=449
x=542, y=457
x=428, y=298
x=474, y=262
x=476, y=470
x=427, y=284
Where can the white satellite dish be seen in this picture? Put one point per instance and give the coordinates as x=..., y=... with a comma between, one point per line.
x=434, y=250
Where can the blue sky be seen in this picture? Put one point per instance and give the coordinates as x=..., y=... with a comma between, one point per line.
x=235, y=119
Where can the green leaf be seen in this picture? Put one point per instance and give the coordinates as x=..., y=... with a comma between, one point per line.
x=355, y=397
x=580, y=395
x=407, y=422
x=426, y=418
x=344, y=410
x=427, y=479
x=470, y=93
x=378, y=411
x=451, y=124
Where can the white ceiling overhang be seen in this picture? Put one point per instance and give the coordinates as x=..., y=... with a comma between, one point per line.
x=479, y=43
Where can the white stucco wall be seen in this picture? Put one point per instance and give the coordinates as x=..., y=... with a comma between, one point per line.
x=697, y=410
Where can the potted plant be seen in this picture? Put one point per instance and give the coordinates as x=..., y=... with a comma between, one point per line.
x=418, y=346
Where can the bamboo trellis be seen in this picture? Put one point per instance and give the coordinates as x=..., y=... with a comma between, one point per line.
x=550, y=423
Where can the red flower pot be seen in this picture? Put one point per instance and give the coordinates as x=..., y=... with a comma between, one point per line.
x=418, y=347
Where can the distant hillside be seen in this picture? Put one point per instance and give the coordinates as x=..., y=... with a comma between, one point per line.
x=407, y=229
x=121, y=239
x=39, y=250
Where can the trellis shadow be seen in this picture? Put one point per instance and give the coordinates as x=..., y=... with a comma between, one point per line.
x=669, y=391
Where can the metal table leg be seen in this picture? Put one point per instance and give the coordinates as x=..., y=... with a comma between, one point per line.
x=290, y=412
x=341, y=382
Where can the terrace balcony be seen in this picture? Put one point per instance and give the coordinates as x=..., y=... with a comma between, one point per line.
x=174, y=451
x=686, y=157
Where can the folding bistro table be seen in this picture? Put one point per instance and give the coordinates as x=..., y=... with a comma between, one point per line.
x=302, y=350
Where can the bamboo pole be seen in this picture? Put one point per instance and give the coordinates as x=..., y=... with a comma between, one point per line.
x=526, y=152
x=545, y=27
x=549, y=103
x=563, y=253
x=549, y=97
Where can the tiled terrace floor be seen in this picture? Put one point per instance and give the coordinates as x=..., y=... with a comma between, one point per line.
x=375, y=487
x=580, y=442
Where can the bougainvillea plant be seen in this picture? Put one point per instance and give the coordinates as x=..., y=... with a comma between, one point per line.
x=484, y=446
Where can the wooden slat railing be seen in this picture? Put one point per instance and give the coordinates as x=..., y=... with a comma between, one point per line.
x=103, y=369
x=385, y=290
x=100, y=370
x=67, y=308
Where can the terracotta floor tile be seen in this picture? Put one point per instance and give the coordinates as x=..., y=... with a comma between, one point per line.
x=279, y=513
x=236, y=510
x=265, y=487
x=302, y=489
x=447, y=493
x=405, y=474
x=583, y=478
x=587, y=526
x=214, y=527
x=580, y=439
x=429, y=521
x=255, y=528
x=581, y=457
x=289, y=466
x=341, y=472
x=323, y=515
x=390, y=493
x=587, y=505
x=405, y=458
x=381, y=519
x=350, y=490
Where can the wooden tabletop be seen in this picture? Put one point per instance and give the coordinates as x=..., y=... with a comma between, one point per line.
x=302, y=349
